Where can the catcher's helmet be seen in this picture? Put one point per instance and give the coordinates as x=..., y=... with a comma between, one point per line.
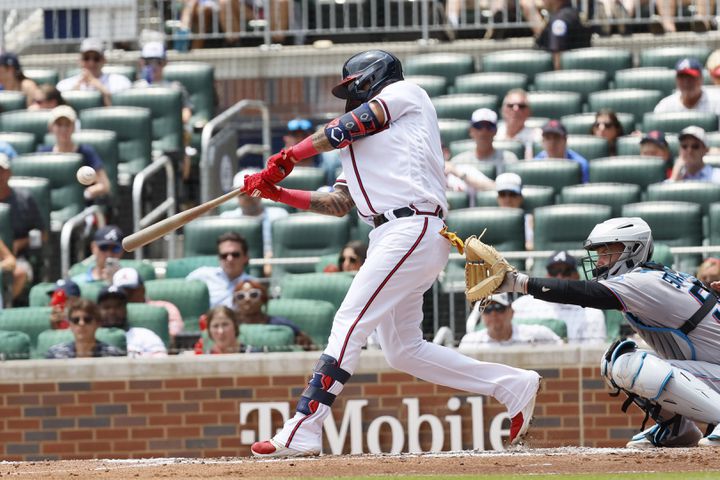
x=374, y=69
x=633, y=232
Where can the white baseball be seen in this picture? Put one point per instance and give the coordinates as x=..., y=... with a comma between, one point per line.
x=86, y=175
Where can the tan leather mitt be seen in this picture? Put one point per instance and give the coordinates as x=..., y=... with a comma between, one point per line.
x=485, y=269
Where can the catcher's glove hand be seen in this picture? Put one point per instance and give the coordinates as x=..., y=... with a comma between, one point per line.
x=486, y=271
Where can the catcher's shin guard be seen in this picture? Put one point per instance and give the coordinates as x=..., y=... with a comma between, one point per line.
x=325, y=373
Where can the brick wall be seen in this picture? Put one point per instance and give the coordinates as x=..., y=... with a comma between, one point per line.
x=189, y=406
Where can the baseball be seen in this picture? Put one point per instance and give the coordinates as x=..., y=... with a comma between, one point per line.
x=86, y=175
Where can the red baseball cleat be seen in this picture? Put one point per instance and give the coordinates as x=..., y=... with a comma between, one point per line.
x=520, y=423
x=272, y=449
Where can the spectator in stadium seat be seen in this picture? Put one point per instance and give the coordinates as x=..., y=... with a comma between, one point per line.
x=564, y=29
x=141, y=342
x=607, y=126
x=509, y=189
x=709, y=271
x=297, y=130
x=654, y=144
x=221, y=281
x=516, y=109
x=64, y=291
x=46, y=98
x=690, y=164
x=351, y=258
x=223, y=329
x=106, y=249
x=554, y=140
x=690, y=94
x=483, y=128
x=62, y=126
x=91, y=77
x=584, y=325
x=499, y=329
x=13, y=79
x=84, y=318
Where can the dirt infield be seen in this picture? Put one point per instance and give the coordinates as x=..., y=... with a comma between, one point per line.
x=531, y=461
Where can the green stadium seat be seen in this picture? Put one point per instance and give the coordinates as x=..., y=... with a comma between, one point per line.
x=566, y=226
x=488, y=198
x=559, y=327
x=582, y=123
x=66, y=193
x=490, y=83
x=554, y=104
x=702, y=193
x=12, y=100
x=48, y=338
x=452, y=130
x=583, y=82
x=330, y=287
x=181, y=267
x=38, y=296
x=30, y=320
x=22, y=142
x=527, y=62
x=613, y=194
x=313, y=317
x=536, y=122
x=641, y=171
x=39, y=189
x=461, y=106
x=515, y=146
x=713, y=139
x=551, y=172
x=674, y=122
x=608, y=60
x=14, y=345
x=457, y=200
x=144, y=267
x=191, y=297
x=307, y=234
x=200, y=235
x=165, y=105
x=672, y=223
x=505, y=226
x=648, y=78
x=132, y=125
x=668, y=56
x=434, y=85
x=459, y=146
x=589, y=146
x=535, y=196
x=627, y=100
x=448, y=65
x=714, y=233
x=150, y=317
x=305, y=178
x=30, y=121
x=630, y=144
x=268, y=338
x=42, y=76
x=361, y=232
x=614, y=320
x=6, y=232
x=91, y=290
x=81, y=100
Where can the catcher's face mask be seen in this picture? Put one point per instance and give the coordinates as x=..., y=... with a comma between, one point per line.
x=604, y=260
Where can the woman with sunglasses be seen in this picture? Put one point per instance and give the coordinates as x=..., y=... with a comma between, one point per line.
x=84, y=318
x=352, y=256
x=608, y=127
x=250, y=300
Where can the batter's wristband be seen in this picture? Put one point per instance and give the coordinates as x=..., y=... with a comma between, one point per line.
x=303, y=150
x=295, y=198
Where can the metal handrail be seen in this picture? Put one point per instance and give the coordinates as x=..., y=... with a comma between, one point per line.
x=66, y=234
x=167, y=207
x=221, y=120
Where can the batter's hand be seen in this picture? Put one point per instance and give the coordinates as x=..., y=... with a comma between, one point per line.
x=256, y=186
x=279, y=166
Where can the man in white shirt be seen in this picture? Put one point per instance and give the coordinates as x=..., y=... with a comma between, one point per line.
x=483, y=128
x=499, y=329
x=91, y=77
x=690, y=163
x=690, y=94
x=584, y=325
x=515, y=112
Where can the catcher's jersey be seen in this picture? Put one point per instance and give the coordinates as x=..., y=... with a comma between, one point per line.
x=402, y=165
x=657, y=303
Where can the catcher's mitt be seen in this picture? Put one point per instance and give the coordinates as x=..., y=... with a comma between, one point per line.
x=485, y=269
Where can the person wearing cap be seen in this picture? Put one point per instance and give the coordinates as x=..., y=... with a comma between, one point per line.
x=499, y=328
x=131, y=282
x=554, y=141
x=91, y=76
x=141, y=342
x=12, y=77
x=483, y=127
x=564, y=29
x=298, y=129
x=690, y=164
x=584, y=325
x=64, y=291
x=690, y=94
x=106, y=249
x=516, y=109
x=509, y=188
x=62, y=126
x=654, y=144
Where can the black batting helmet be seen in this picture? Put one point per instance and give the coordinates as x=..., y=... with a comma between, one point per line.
x=375, y=68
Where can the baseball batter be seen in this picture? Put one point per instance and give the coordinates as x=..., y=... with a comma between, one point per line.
x=393, y=172
x=676, y=383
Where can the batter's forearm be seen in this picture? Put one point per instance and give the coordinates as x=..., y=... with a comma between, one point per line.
x=320, y=141
x=333, y=203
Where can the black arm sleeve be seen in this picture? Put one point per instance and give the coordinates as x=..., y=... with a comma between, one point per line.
x=576, y=292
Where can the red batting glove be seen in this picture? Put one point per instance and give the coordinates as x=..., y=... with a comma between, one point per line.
x=279, y=166
x=256, y=186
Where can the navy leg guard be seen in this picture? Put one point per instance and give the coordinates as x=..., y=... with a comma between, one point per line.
x=325, y=373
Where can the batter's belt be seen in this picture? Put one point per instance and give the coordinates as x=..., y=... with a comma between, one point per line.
x=404, y=212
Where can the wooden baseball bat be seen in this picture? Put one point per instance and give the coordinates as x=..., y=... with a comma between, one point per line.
x=156, y=230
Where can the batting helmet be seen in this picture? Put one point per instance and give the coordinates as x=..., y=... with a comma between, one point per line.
x=633, y=232
x=373, y=69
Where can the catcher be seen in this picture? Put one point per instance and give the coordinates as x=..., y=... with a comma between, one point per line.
x=677, y=383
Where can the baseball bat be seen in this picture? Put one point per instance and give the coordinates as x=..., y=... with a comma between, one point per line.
x=156, y=230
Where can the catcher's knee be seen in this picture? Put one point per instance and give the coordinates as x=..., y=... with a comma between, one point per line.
x=325, y=373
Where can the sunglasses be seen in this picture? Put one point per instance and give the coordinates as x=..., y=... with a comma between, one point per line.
x=495, y=307
x=519, y=106
x=604, y=124
x=560, y=271
x=508, y=194
x=690, y=146
x=91, y=58
x=85, y=320
x=253, y=294
x=349, y=259
x=110, y=248
x=485, y=126
x=226, y=255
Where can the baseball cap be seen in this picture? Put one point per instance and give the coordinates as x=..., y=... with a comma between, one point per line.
x=483, y=115
x=10, y=59
x=108, y=235
x=92, y=45
x=694, y=131
x=563, y=257
x=508, y=182
x=239, y=178
x=4, y=161
x=62, y=111
x=127, y=277
x=153, y=50
x=657, y=137
x=70, y=288
x=110, y=292
x=554, y=126
x=501, y=298
x=689, y=66
x=299, y=124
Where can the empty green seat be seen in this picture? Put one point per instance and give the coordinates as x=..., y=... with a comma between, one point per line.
x=641, y=171
x=702, y=193
x=668, y=56
x=330, y=287
x=199, y=81
x=11, y=100
x=713, y=139
x=191, y=297
x=527, y=62
x=459, y=146
x=305, y=178
x=457, y=200
x=515, y=146
x=582, y=123
x=628, y=100
x=30, y=121
x=461, y=106
x=39, y=189
x=608, y=60
x=38, y=296
x=613, y=194
x=583, y=82
x=434, y=85
x=589, y=146
x=14, y=345
x=648, y=78
x=452, y=130
x=490, y=83
x=448, y=65
x=82, y=99
x=505, y=226
x=42, y=76
x=630, y=144
x=165, y=105
x=201, y=234
x=675, y=121
x=672, y=223
x=554, y=104
x=535, y=196
x=181, y=267
x=566, y=226
x=30, y=320
x=268, y=338
x=150, y=317
x=552, y=173
x=313, y=317
x=22, y=142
